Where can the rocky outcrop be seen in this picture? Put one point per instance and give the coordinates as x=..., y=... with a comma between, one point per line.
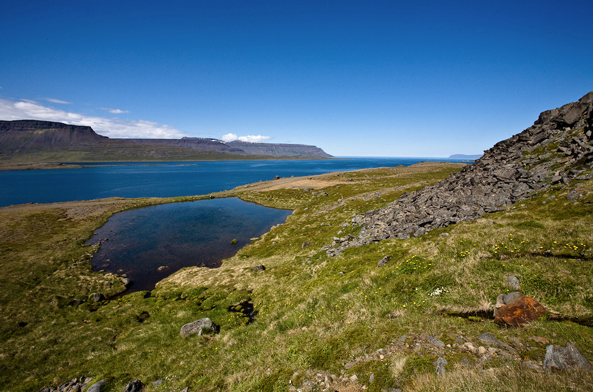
x=554, y=150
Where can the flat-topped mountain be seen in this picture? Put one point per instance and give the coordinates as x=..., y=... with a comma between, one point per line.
x=32, y=140
x=239, y=147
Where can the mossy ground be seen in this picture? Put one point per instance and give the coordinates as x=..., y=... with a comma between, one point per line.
x=313, y=313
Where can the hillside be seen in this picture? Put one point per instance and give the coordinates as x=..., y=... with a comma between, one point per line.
x=352, y=295
x=44, y=141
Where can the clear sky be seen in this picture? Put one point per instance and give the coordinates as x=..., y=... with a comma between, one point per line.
x=356, y=78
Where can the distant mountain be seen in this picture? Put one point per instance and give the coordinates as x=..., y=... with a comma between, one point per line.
x=463, y=156
x=32, y=140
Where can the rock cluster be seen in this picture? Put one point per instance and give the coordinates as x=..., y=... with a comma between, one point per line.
x=76, y=385
x=554, y=150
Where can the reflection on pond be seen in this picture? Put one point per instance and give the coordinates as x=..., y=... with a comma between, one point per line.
x=152, y=243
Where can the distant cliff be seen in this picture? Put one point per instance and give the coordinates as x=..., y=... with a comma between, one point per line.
x=278, y=149
x=52, y=141
x=26, y=136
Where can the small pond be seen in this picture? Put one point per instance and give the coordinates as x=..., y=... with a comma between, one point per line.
x=151, y=243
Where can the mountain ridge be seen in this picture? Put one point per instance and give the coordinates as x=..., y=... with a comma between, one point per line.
x=33, y=137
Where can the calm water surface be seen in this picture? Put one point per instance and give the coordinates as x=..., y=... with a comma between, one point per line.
x=165, y=179
x=178, y=235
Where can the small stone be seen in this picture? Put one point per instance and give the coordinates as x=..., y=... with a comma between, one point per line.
x=305, y=244
x=157, y=383
x=482, y=350
x=354, y=378
x=383, y=262
x=134, y=386
x=513, y=283
x=162, y=267
x=258, y=268
x=539, y=339
x=186, y=389
x=97, y=297
x=437, y=342
x=440, y=366
x=198, y=327
x=532, y=365
x=371, y=378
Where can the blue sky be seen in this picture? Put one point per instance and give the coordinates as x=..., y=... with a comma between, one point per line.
x=356, y=78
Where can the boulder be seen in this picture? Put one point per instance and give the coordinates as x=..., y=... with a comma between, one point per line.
x=567, y=358
x=517, y=310
x=198, y=327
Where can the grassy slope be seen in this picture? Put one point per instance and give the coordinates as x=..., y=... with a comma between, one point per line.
x=314, y=313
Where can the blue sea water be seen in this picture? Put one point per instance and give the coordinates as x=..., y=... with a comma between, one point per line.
x=142, y=179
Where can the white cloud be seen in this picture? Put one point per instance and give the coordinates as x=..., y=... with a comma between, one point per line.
x=115, y=111
x=112, y=127
x=229, y=137
x=53, y=100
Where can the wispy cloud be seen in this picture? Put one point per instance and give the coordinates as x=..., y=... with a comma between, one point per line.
x=112, y=127
x=115, y=111
x=53, y=100
x=229, y=137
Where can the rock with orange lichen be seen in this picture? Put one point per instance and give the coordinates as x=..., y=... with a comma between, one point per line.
x=517, y=310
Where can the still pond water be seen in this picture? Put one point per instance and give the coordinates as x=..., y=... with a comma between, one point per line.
x=140, y=242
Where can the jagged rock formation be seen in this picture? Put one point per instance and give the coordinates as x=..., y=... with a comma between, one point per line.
x=32, y=136
x=554, y=150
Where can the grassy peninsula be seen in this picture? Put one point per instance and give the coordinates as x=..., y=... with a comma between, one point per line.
x=320, y=322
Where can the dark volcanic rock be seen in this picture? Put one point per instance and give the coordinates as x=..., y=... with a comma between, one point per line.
x=510, y=171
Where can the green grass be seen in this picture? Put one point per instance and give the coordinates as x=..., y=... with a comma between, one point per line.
x=314, y=313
